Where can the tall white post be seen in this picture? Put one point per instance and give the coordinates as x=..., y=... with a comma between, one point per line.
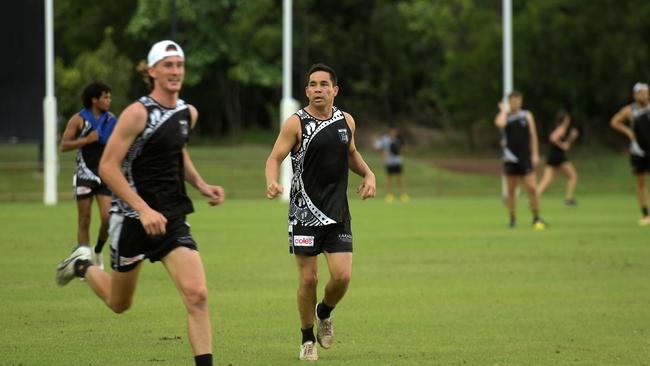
x=50, y=158
x=507, y=68
x=288, y=105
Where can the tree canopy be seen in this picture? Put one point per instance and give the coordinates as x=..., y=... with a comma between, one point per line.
x=433, y=63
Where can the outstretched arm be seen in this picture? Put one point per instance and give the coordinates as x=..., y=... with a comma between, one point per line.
x=368, y=186
x=288, y=139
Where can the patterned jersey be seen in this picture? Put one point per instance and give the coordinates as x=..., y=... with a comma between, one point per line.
x=516, y=138
x=88, y=156
x=320, y=171
x=640, y=124
x=153, y=166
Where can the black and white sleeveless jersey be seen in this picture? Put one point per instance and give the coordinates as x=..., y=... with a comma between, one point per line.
x=320, y=171
x=516, y=138
x=154, y=165
x=640, y=124
x=88, y=157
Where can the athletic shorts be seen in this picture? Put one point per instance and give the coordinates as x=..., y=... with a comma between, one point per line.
x=556, y=158
x=313, y=240
x=521, y=168
x=83, y=188
x=394, y=169
x=130, y=244
x=640, y=164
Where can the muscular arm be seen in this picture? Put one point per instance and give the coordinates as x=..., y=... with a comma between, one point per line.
x=288, y=139
x=367, y=188
x=534, y=142
x=130, y=124
x=619, y=120
x=192, y=176
x=69, y=140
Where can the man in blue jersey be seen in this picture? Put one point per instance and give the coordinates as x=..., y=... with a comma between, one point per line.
x=637, y=115
x=146, y=164
x=87, y=132
x=320, y=139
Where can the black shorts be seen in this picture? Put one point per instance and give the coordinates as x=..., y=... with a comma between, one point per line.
x=521, y=168
x=313, y=240
x=640, y=164
x=130, y=244
x=83, y=188
x=556, y=157
x=394, y=169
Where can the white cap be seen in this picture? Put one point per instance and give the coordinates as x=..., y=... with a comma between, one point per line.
x=159, y=51
x=639, y=86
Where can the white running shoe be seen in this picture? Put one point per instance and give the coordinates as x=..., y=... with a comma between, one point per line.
x=308, y=351
x=98, y=260
x=645, y=221
x=65, y=269
x=325, y=333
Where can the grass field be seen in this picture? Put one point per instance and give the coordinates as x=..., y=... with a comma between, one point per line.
x=438, y=281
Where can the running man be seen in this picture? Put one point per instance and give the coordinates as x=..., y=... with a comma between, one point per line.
x=87, y=132
x=391, y=144
x=145, y=163
x=520, y=154
x=561, y=139
x=320, y=138
x=637, y=115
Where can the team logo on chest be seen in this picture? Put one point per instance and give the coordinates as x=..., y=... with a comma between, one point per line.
x=184, y=127
x=343, y=135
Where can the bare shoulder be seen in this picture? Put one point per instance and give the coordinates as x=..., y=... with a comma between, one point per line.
x=292, y=124
x=194, y=114
x=133, y=118
x=350, y=120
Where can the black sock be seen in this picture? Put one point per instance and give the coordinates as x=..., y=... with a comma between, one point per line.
x=644, y=211
x=308, y=335
x=535, y=215
x=203, y=360
x=99, y=246
x=80, y=267
x=323, y=310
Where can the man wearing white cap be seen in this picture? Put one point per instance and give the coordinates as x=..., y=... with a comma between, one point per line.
x=145, y=164
x=637, y=115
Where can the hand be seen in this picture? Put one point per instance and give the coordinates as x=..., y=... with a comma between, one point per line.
x=92, y=137
x=367, y=188
x=216, y=194
x=535, y=160
x=503, y=107
x=273, y=190
x=573, y=133
x=154, y=222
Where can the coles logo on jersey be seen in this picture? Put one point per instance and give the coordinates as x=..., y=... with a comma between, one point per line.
x=184, y=128
x=303, y=241
x=343, y=134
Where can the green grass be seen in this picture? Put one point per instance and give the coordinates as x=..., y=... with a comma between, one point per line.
x=437, y=281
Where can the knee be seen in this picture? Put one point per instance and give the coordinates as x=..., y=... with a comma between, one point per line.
x=342, y=278
x=84, y=220
x=120, y=307
x=196, y=297
x=309, y=280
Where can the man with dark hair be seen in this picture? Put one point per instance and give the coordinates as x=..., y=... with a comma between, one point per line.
x=145, y=164
x=520, y=154
x=320, y=139
x=87, y=132
x=637, y=115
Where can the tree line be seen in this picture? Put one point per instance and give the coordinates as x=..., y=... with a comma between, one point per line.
x=431, y=63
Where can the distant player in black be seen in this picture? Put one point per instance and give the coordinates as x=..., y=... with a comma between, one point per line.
x=390, y=145
x=320, y=138
x=146, y=164
x=637, y=115
x=87, y=132
x=520, y=154
x=561, y=139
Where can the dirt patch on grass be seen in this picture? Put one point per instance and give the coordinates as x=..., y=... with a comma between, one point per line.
x=471, y=165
